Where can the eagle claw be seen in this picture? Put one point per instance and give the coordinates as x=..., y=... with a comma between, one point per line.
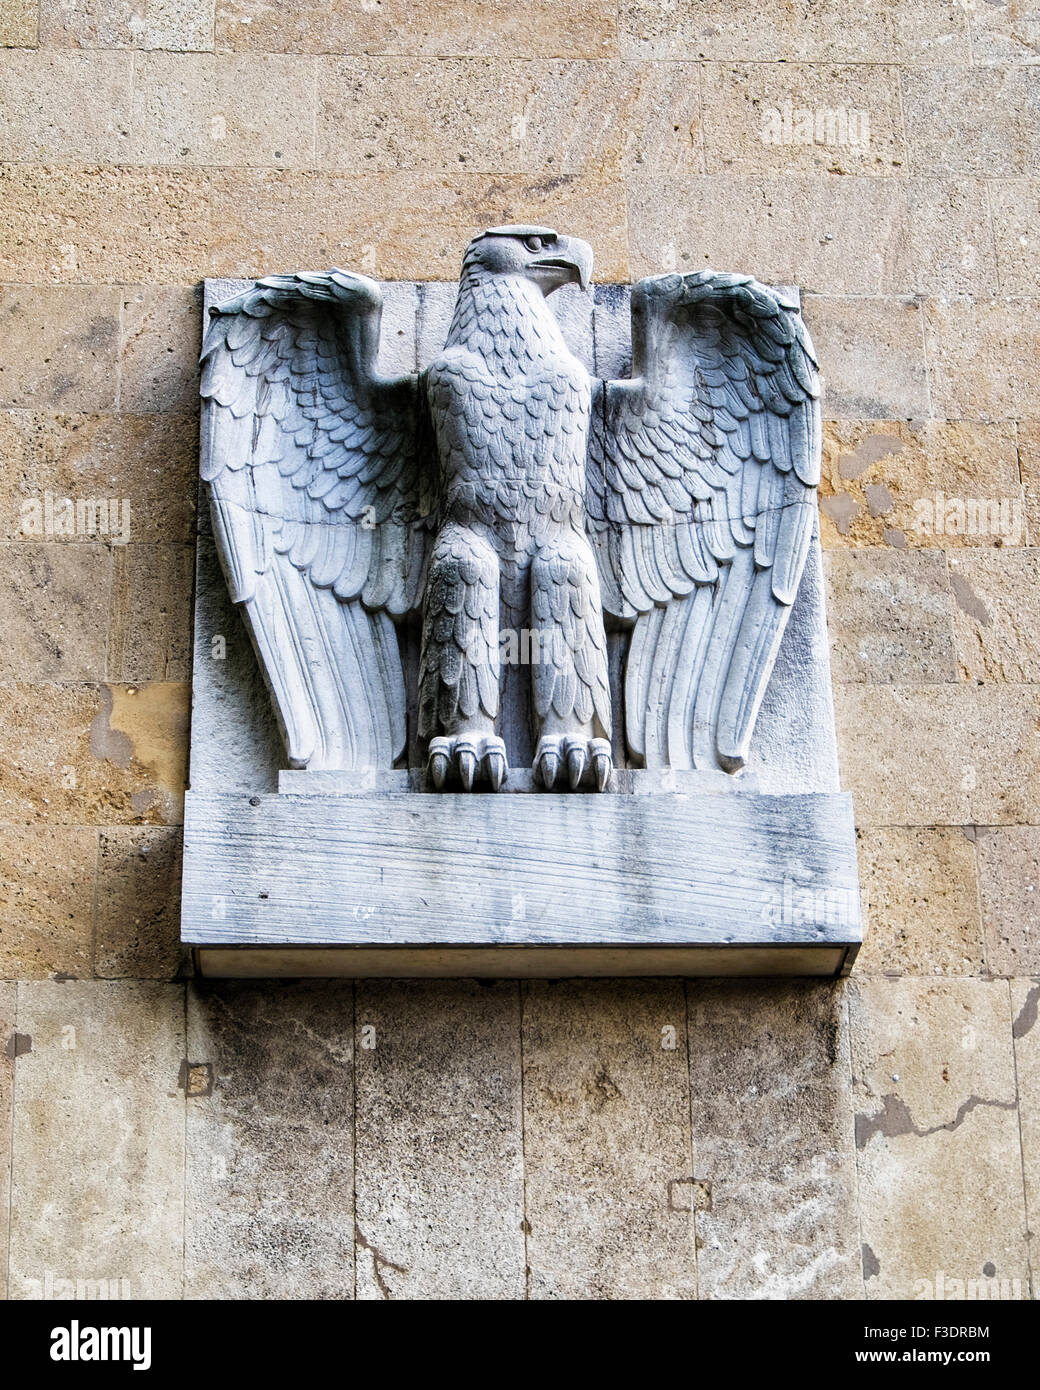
x=575, y=753
x=469, y=756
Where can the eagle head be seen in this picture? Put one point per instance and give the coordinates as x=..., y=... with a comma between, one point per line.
x=537, y=253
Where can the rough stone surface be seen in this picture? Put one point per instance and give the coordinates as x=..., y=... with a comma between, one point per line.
x=61, y=346
x=270, y=1141
x=921, y=902
x=98, y=1153
x=55, y=599
x=1025, y=996
x=439, y=1149
x=1009, y=891
x=137, y=923
x=772, y=1139
x=996, y=617
x=890, y=615
x=8, y=1020
x=170, y=24
x=47, y=882
x=898, y=483
x=936, y=1133
x=609, y=1174
x=146, y=464
x=541, y=29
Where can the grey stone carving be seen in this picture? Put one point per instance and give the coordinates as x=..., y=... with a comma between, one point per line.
x=520, y=507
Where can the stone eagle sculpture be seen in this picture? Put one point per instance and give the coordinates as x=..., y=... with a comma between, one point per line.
x=504, y=488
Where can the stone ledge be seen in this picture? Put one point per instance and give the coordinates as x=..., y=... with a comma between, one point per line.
x=429, y=876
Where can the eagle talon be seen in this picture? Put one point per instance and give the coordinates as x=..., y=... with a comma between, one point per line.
x=580, y=756
x=468, y=756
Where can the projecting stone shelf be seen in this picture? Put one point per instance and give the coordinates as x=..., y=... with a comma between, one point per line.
x=542, y=884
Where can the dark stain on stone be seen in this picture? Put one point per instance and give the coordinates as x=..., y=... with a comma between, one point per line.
x=894, y=1119
x=841, y=509
x=879, y=500
x=874, y=447
x=61, y=977
x=989, y=1269
x=195, y=1078
x=18, y=1044
x=601, y=1090
x=379, y=1260
x=1027, y=1014
x=970, y=832
x=105, y=742
x=968, y=600
x=871, y=1263
x=892, y=536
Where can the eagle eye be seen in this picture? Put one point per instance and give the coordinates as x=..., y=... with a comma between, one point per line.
x=533, y=243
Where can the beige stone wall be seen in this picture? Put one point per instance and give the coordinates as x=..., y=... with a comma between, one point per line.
x=800, y=1140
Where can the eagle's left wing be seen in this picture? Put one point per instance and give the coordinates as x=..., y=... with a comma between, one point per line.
x=702, y=474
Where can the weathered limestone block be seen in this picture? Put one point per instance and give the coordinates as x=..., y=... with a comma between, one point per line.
x=829, y=32
x=47, y=887
x=1009, y=892
x=103, y=225
x=873, y=356
x=189, y=109
x=982, y=359
x=98, y=1155
x=919, y=483
x=738, y=98
x=55, y=600
x=940, y=754
x=269, y=1136
x=8, y=1051
x=890, y=616
x=611, y=1183
x=262, y=218
x=94, y=754
x=940, y=1175
x=169, y=24
x=439, y=1160
x=772, y=1139
x=922, y=902
x=997, y=618
x=66, y=108
x=159, y=351
x=865, y=237
x=61, y=346
x=1025, y=998
x=499, y=117
x=150, y=636
x=981, y=120
x=138, y=909
x=18, y=23
x=538, y=29
x=1015, y=208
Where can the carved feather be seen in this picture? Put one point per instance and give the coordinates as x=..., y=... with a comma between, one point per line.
x=724, y=398
x=315, y=467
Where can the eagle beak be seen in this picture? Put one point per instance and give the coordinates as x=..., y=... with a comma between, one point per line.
x=572, y=258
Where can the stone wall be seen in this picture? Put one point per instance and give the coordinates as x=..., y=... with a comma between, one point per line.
x=800, y=1140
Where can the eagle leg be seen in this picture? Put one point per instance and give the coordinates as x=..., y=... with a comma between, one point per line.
x=569, y=676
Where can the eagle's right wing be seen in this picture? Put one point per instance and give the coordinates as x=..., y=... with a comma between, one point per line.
x=316, y=474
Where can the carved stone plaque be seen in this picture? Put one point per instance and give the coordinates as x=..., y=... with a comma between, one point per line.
x=510, y=648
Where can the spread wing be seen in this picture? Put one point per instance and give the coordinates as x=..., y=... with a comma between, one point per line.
x=316, y=479
x=701, y=498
